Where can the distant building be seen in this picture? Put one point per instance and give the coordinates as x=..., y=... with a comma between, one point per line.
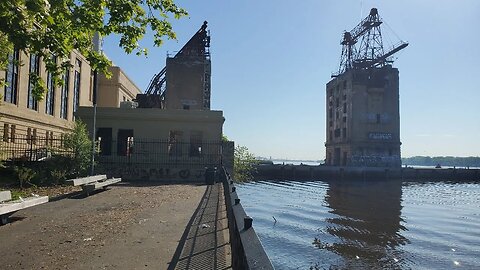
x=363, y=121
x=362, y=101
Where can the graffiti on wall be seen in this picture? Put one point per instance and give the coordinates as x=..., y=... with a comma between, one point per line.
x=136, y=173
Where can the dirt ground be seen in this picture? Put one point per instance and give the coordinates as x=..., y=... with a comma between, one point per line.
x=129, y=226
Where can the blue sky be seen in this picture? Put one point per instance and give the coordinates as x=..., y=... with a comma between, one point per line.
x=272, y=59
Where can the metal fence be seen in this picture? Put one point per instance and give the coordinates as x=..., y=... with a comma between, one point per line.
x=138, y=152
x=150, y=152
x=32, y=148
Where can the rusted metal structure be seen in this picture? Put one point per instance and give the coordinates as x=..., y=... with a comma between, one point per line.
x=196, y=50
x=370, y=52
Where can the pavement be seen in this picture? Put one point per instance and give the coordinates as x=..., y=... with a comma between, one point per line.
x=129, y=226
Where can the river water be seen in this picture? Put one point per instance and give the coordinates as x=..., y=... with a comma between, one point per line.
x=366, y=225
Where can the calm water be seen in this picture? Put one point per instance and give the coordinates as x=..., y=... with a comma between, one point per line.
x=372, y=225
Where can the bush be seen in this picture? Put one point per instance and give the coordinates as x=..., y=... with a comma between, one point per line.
x=24, y=175
x=244, y=164
x=78, y=142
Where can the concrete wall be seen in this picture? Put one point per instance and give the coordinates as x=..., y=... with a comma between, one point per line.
x=150, y=158
x=156, y=123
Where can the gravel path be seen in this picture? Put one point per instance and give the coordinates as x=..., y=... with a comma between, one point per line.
x=126, y=227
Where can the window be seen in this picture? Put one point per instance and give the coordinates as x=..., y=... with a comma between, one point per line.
x=186, y=107
x=378, y=118
x=34, y=136
x=11, y=78
x=344, y=107
x=29, y=135
x=344, y=96
x=104, y=138
x=344, y=119
x=344, y=133
x=5, y=132
x=125, y=142
x=50, y=96
x=64, y=94
x=195, y=144
x=76, y=91
x=344, y=84
x=12, y=133
x=337, y=102
x=175, y=143
x=76, y=86
x=34, y=70
x=330, y=123
x=337, y=133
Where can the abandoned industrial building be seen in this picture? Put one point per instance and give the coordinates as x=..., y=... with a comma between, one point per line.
x=362, y=101
x=169, y=131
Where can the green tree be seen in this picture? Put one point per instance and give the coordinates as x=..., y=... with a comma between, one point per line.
x=46, y=27
x=244, y=164
x=80, y=145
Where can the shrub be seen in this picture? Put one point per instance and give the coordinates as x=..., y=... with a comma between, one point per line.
x=24, y=175
x=80, y=145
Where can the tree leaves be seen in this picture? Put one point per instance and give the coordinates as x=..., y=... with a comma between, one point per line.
x=59, y=26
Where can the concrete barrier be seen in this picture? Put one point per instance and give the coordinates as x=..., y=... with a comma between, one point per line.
x=247, y=250
x=7, y=207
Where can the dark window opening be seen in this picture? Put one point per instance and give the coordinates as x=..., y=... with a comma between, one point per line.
x=337, y=133
x=104, y=139
x=195, y=144
x=5, y=132
x=344, y=119
x=124, y=142
x=344, y=107
x=12, y=133
x=344, y=133
x=330, y=124
x=337, y=102
x=378, y=118
x=175, y=143
x=186, y=107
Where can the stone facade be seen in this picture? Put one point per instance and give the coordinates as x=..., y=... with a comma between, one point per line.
x=363, y=120
x=114, y=90
x=20, y=115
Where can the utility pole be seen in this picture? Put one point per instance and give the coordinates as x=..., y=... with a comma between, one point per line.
x=96, y=46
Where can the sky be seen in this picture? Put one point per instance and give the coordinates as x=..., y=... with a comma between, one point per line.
x=272, y=59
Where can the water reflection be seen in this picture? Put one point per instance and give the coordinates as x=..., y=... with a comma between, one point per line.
x=366, y=227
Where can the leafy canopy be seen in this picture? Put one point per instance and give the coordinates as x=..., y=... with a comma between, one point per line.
x=56, y=27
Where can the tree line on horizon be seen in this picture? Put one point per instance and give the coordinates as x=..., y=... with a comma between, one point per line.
x=443, y=161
